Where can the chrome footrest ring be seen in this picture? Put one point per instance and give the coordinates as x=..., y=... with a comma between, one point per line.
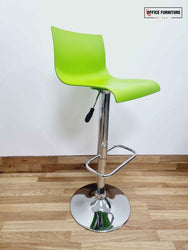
x=115, y=170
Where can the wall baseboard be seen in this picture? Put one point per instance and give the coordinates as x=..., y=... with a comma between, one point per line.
x=39, y=164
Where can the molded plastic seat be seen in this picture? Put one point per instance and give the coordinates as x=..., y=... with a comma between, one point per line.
x=80, y=61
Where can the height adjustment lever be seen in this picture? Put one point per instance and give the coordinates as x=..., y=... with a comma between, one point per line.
x=90, y=114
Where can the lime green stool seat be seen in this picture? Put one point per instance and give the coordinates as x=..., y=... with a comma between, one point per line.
x=80, y=60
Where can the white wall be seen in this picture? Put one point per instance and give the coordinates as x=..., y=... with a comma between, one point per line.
x=41, y=116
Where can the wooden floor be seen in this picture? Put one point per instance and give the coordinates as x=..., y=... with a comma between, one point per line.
x=35, y=194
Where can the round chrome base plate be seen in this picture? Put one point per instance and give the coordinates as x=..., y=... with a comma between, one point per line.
x=100, y=215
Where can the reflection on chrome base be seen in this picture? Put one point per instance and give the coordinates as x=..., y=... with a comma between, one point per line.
x=100, y=215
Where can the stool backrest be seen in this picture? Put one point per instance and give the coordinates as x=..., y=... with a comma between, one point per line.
x=78, y=56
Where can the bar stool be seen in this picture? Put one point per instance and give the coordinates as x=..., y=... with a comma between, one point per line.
x=80, y=61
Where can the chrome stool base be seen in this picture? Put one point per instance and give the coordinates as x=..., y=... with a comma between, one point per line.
x=100, y=215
